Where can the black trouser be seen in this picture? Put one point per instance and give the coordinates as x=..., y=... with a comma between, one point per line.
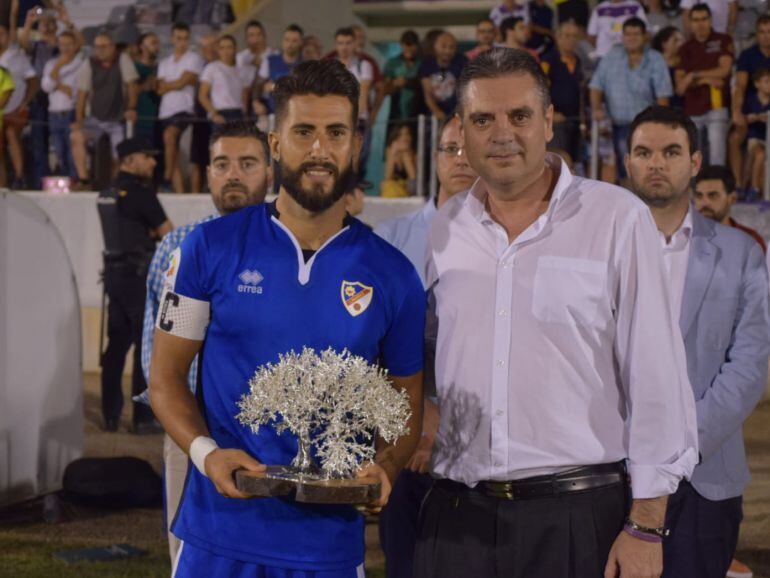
x=126, y=290
x=398, y=522
x=704, y=534
x=464, y=533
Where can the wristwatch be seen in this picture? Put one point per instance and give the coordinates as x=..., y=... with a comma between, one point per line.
x=660, y=532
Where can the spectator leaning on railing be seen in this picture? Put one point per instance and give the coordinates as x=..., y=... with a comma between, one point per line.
x=177, y=79
x=629, y=78
x=107, y=87
x=59, y=82
x=439, y=75
x=703, y=79
x=751, y=60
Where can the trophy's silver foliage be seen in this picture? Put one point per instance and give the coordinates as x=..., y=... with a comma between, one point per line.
x=334, y=402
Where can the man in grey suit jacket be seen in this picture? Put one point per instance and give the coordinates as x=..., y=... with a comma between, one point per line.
x=719, y=286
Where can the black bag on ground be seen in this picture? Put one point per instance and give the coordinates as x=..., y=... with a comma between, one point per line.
x=113, y=483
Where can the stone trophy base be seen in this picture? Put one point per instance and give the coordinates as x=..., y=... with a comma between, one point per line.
x=306, y=488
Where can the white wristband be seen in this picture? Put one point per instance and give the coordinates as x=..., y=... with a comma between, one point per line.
x=199, y=449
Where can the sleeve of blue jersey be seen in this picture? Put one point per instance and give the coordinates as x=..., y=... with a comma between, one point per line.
x=403, y=350
x=192, y=277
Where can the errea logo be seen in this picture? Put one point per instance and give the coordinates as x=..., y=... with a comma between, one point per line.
x=250, y=281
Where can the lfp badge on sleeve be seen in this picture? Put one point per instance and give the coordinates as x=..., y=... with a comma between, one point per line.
x=356, y=297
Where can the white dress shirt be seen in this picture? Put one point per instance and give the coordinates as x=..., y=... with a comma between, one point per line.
x=558, y=350
x=676, y=254
x=227, y=85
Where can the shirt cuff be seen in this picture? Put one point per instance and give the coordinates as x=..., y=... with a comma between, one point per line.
x=662, y=480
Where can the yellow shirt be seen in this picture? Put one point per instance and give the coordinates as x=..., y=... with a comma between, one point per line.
x=6, y=85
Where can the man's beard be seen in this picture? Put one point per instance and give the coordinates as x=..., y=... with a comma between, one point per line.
x=227, y=204
x=658, y=197
x=315, y=199
x=711, y=214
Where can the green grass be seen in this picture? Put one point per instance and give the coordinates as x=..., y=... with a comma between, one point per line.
x=25, y=558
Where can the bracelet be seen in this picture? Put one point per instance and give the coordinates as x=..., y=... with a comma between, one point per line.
x=199, y=449
x=645, y=537
x=660, y=532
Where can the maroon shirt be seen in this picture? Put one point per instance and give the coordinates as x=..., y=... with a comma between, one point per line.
x=750, y=232
x=695, y=56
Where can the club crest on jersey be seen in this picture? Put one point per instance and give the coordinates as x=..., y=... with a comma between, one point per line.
x=173, y=268
x=356, y=297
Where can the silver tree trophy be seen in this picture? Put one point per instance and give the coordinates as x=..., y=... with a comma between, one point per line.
x=335, y=404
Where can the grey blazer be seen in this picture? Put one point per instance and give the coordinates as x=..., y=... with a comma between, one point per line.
x=726, y=329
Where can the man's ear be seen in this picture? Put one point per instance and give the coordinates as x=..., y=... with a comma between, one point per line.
x=696, y=161
x=274, y=144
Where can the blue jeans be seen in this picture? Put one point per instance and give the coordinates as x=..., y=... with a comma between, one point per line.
x=620, y=142
x=59, y=125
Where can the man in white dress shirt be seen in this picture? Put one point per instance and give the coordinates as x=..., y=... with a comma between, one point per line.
x=719, y=293
x=559, y=370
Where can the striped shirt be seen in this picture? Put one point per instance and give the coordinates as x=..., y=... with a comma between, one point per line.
x=155, y=282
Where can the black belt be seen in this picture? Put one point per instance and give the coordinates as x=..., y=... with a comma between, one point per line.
x=574, y=480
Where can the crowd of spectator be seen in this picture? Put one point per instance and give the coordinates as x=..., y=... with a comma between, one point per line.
x=605, y=64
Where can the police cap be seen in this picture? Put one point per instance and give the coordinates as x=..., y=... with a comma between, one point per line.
x=135, y=145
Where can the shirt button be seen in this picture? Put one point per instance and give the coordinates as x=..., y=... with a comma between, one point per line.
x=498, y=464
x=499, y=412
x=502, y=312
x=500, y=363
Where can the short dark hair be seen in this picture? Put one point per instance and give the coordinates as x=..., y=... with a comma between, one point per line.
x=509, y=24
x=673, y=117
x=485, y=19
x=319, y=78
x=180, y=26
x=759, y=73
x=144, y=36
x=229, y=37
x=663, y=36
x=410, y=38
x=763, y=19
x=503, y=62
x=239, y=129
x=700, y=7
x=345, y=31
x=254, y=24
x=295, y=28
x=717, y=173
x=635, y=22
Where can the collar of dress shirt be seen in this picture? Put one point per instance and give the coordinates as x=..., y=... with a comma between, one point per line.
x=475, y=202
x=681, y=236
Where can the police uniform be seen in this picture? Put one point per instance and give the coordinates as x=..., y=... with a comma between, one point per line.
x=129, y=211
x=242, y=283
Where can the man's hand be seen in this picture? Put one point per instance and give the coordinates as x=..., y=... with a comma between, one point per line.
x=420, y=459
x=218, y=119
x=131, y=115
x=739, y=119
x=220, y=465
x=634, y=558
x=376, y=471
x=599, y=114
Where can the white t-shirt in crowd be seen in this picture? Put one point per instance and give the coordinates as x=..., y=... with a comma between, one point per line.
x=171, y=69
x=16, y=62
x=607, y=20
x=363, y=72
x=244, y=60
x=501, y=12
x=720, y=12
x=58, y=101
x=227, y=85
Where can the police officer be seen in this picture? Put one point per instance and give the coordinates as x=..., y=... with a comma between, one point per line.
x=132, y=221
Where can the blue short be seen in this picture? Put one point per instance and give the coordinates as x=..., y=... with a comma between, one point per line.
x=195, y=562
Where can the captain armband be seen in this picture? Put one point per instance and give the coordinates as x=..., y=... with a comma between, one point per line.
x=182, y=316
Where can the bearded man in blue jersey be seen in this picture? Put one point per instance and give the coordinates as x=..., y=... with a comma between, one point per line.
x=293, y=257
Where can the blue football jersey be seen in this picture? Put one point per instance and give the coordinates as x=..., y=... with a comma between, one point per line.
x=246, y=275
